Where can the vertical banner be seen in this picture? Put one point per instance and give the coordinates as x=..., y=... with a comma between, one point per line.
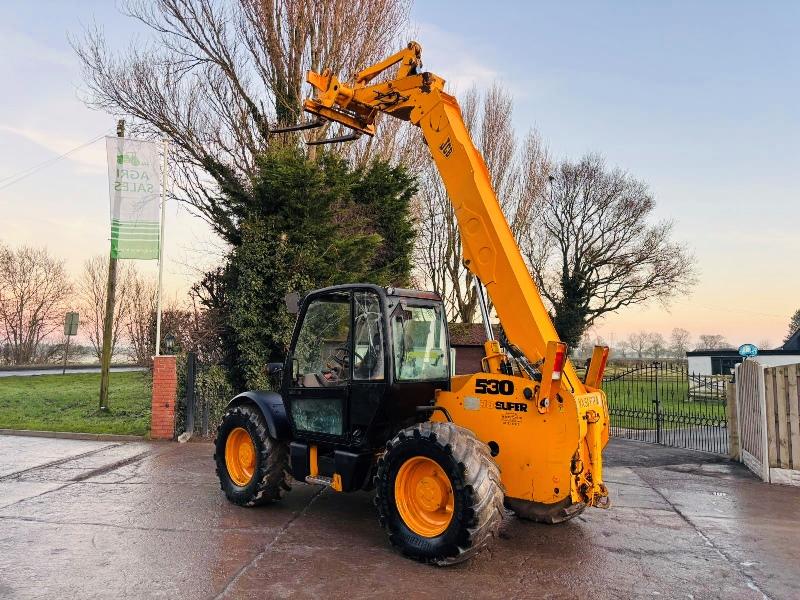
x=134, y=174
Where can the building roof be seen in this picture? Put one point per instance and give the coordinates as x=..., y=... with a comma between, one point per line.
x=469, y=334
x=793, y=343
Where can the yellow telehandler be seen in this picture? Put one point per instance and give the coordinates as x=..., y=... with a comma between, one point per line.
x=368, y=400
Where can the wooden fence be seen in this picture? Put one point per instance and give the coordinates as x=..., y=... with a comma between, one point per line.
x=768, y=421
x=783, y=422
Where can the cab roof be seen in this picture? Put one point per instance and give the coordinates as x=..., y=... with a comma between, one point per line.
x=383, y=291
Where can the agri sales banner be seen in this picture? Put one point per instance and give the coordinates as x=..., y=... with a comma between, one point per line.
x=134, y=176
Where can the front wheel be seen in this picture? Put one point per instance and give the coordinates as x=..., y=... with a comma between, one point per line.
x=251, y=465
x=438, y=493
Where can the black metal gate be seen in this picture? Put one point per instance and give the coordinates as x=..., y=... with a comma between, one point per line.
x=204, y=392
x=660, y=402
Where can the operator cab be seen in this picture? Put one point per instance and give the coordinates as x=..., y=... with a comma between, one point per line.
x=362, y=361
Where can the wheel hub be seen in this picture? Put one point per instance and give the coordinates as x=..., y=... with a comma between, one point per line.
x=424, y=496
x=240, y=456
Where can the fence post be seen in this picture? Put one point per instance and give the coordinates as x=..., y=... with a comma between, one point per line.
x=762, y=399
x=165, y=387
x=732, y=414
x=657, y=402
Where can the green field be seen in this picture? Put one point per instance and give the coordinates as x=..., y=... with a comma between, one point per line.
x=70, y=403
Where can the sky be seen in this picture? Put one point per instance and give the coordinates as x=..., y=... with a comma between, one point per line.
x=698, y=99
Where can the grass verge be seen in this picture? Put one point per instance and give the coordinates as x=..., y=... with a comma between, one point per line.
x=70, y=403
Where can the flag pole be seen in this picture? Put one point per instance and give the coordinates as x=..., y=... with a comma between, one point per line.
x=108, y=316
x=164, y=180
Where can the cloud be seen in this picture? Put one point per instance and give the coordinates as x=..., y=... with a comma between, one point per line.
x=453, y=58
x=17, y=44
x=91, y=159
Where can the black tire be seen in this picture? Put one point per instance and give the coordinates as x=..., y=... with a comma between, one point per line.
x=269, y=481
x=539, y=512
x=474, y=477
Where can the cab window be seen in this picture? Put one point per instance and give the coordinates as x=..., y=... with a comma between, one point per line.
x=419, y=340
x=367, y=337
x=322, y=351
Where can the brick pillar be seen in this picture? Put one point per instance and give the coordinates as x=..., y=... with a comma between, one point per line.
x=165, y=387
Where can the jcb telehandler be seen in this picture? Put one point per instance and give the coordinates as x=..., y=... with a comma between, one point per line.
x=368, y=400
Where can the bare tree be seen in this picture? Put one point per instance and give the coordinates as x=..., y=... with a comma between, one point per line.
x=141, y=306
x=656, y=345
x=680, y=341
x=34, y=292
x=593, y=251
x=517, y=173
x=215, y=75
x=765, y=344
x=638, y=343
x=713, y=342
x=92, y=287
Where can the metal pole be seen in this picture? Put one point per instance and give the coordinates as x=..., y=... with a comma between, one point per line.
x=161, y=247
x=658, y=405
x=108, y=319
x=484, y=309
x=66, y=354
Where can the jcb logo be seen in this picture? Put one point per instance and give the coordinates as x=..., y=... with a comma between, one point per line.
x=446, y=147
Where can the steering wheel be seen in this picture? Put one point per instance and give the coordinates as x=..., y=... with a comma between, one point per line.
x=339, y=359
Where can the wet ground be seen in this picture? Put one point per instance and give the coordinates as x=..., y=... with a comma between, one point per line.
x=86, y=519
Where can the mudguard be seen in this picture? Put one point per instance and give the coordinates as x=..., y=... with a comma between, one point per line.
x=271, y=406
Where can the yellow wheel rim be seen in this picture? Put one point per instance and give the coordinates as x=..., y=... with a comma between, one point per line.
x=424, y=496
x=240, y=456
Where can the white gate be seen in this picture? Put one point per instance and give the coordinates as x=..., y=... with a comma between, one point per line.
x=752, y=411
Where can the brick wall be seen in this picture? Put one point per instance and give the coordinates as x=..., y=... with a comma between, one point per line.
x=165, y=386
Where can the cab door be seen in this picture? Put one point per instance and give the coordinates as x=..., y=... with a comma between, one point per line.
x=370, y=364
x=321, y=366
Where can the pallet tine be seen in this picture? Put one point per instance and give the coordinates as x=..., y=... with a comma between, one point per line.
x=335, y=140
x=300, y=127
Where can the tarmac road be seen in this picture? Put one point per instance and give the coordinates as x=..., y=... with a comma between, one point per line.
x=87, y=519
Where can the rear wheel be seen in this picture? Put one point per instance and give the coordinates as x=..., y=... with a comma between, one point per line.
x=438, y=493
x=251, y=465
x=558, y=512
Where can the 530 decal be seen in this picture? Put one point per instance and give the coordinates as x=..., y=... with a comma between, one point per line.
x=494, y=386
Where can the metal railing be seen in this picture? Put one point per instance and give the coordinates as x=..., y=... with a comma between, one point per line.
x=662, y=403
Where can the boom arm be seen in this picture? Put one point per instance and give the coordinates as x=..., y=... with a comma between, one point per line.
x=490, y=250
x=492, y=255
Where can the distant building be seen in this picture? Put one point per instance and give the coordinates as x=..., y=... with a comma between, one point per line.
x=467, y=340
x=722, y=362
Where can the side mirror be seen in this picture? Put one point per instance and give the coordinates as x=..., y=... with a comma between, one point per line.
x=292, y=303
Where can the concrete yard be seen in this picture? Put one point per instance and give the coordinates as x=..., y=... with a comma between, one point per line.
x=88, y=519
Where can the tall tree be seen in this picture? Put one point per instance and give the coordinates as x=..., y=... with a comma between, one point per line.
x=656, y=345
x=517, y=172
x=679, y=342
x=311, y=223
x=713, y=341
x=92, y=287
x=593, y=249
x=213, y=76
x=140, y=315
x=794, y=325
x=639, y=343
x=34, y=294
